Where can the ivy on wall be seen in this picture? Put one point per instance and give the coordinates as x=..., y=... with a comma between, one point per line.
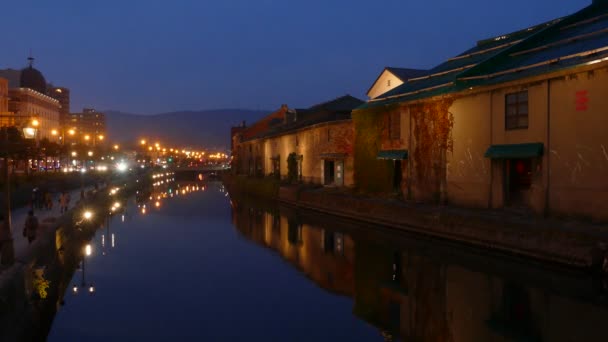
x=432, y=132
x=371, y=175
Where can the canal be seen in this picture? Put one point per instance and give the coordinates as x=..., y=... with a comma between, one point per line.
x=191, y=262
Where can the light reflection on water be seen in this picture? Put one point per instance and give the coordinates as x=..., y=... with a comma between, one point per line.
x=195, y=264
x=177, y=269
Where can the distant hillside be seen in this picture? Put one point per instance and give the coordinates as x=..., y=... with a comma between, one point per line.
x=209, y=128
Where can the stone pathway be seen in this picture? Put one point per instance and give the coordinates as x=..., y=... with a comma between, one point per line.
x=19, y=215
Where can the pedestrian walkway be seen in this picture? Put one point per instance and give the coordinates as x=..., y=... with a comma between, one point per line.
x=18, y=219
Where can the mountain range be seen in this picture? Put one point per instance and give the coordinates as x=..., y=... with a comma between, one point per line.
x=206, y=128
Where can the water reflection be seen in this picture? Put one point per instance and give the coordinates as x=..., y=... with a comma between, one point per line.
x=408, y=288
x=417, y=290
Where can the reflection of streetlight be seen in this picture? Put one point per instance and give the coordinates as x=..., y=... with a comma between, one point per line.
x=83, y=284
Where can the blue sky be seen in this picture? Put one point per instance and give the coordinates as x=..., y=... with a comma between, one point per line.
x=156, y=56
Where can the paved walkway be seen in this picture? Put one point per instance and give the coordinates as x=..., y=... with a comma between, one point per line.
x=19, y=215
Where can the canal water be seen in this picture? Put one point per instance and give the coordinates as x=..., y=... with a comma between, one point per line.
x=190, y=262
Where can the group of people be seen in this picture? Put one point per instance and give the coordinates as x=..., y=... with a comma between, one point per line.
x=43, y=200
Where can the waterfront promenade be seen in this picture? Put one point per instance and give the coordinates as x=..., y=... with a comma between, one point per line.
x=18, y=215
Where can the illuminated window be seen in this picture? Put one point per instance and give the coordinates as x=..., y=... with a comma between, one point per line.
x=516, y=110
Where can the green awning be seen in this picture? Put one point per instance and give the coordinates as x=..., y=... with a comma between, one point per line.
x=392, y=154
x=513, y=151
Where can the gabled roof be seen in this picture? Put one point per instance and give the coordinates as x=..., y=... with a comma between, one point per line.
x=337, y=109
x=262, y=126
x=403, y=74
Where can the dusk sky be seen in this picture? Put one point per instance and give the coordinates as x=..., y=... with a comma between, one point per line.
x=157, y=56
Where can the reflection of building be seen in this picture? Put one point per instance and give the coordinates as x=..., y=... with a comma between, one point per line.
x=425, y=291
x=89, y=122
x=528, y=117
x=325, y=256
x=319, y=139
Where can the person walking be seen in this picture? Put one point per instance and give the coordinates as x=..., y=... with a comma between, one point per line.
x=31, y=226
x=63, y=202
x=68, y=198
x=49, y=201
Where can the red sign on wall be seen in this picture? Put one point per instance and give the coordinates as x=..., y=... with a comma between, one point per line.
x=582, y=100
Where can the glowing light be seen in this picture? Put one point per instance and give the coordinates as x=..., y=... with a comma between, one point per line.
x=35, y=123
x=87, y=137
x=54, y=132
x=29, y=132
x=121, y=167
x=88, y=250
x=75, y=289
x=71, y=132
x=87, y=215
x=116, y=147
x=157, y=204
x=143, y=141
x=101, y=137
x=74, y=154
x=117, y=204
x=90, y=153
x=91, y=289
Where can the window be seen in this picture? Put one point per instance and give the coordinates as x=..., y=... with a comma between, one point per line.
x=388, y=83
x=516, y=110
x=328, y=134
x=394, y=125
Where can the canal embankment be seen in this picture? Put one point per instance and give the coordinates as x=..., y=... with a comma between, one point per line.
x=572, y=243
x=32, y=287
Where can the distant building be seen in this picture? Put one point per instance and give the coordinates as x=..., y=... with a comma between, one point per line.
x=61, y=94
x=321, y=138
x=4, y=120
x=27, y=104
x=89, y=123
x=27, y=101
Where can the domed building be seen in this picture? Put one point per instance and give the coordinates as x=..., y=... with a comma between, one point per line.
x=32, y=78
x=29, y=101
